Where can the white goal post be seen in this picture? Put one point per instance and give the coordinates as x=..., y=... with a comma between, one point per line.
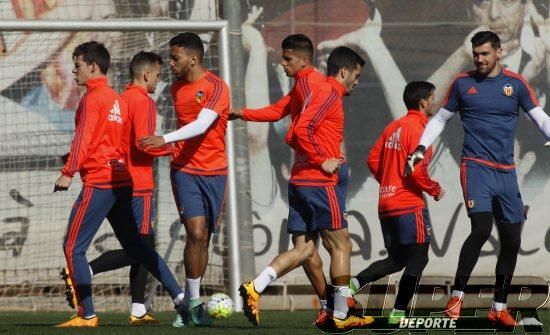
x=132, y=25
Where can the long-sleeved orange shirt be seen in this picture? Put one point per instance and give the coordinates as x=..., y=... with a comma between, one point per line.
x=316, y=135
x=309, y=108
x=399, y=195
x=98, y=150
x=142, y=115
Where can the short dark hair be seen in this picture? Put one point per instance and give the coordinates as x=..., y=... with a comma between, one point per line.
x=94, y=52
x=299, y=42
x=142, y=59
x=416, y=91
x=343, y=57
x=189, y=41
x=482, y=37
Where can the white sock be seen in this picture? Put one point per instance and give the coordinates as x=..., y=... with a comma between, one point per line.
x=138, y=309
x=397, y=311
x=498, y=306
x=341, y=294
x=91, y=271
x=179, y=299
x=89, y=317
x=266, y=277
x=194, y=286
x=323, y=304
x=459, y=294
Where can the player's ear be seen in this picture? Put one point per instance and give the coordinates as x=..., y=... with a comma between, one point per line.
x=306, y=61
x=499, y=53
x=344, y=72
x=193, y=60
x=423, y=104
x=147, y=76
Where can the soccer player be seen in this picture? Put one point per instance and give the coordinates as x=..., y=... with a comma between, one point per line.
x=145, y=69
x=199, y=162
x=488, y=100
x=403, y=213
x=316, y=205
x=97, y=153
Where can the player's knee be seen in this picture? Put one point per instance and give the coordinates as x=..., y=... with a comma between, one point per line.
x=343, y=244
x=415, y=268
x=197, y=235
x=315, y=261
x=149, y=240
x=347, y=245
x=307, y=250
x=511, y=243
x=482, y=225
x=398, y=263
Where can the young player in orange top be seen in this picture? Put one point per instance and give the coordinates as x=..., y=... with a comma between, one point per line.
x=199, y=162
x=98, y=152
x=145, y=69
x=401, y=207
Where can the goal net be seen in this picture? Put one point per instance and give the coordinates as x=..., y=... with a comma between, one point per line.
x=38, y=98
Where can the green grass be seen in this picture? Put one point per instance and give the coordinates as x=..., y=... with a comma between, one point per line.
x=117, y=323
x=272, y=322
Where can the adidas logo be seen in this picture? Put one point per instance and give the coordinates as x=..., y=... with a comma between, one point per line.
x=394, y=141
x=114, y=114
x=472, y=90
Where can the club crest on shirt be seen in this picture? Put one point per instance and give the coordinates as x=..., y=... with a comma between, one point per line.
x=471, y=203
x=199, y=97
x=508, y=90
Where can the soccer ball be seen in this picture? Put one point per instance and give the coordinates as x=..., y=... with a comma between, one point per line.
x=220, y=306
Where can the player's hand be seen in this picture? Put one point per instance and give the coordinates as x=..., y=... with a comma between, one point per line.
x=235, y=114
x=151, y=142
x=414, y=159
x=62, y=183
x=440, y=195
x=331, y=165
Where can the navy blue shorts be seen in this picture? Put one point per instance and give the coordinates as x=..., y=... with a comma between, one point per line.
x=343, y=180
x=487, y=189
x=142, y=207
x=318, y=207
x=198, y=195
x=406, y=228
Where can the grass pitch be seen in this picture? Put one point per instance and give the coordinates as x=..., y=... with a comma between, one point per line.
x=272, y=322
